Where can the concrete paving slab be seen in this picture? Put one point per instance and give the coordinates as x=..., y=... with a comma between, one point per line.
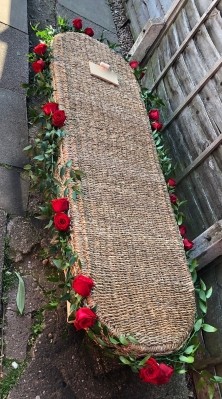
x=98, y=13
x=3, y=220
x=16, y=326
x=14, y=128
x=98, y=29
x=14, y=191
x=14, y=13
x=14, y=45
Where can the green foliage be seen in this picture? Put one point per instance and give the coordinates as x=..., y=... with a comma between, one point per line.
x=20, y=298
x=10, y=376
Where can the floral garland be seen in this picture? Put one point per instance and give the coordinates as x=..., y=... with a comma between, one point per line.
x=44, y=152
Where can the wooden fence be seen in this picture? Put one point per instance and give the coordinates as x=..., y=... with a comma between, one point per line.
x=184, y=69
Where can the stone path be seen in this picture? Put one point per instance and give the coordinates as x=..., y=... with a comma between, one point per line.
x=61, y=365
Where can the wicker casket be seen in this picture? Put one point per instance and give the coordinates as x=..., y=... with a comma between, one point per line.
x=123, y=227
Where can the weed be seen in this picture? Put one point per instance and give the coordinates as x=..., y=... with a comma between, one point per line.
x=10, y=376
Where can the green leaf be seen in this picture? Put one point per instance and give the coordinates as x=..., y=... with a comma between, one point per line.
x=203, y=307
x=203, y=286
x=202, y=295
x=132, y=339
x=20, y=298
x=211, y=391
x=216, y=378
x=29, y=147
x=124, y=360
x=209, y=328
x=90, y=334
x=69, y=163
x=190, y=349
x=27, y=167
x=49, y=224
x=62, y=171
x=105, y=331
x=100, y=341
x=209, y=293
x=123, y=340
x=198, y=324
x=113, y=341
x=182, y=371
x=144, y=360
x=186, y=359
x=39, y=158
x=57, y=263
x=66, y=192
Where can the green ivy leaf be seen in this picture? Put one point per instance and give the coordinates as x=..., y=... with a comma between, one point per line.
x=202, y=295
x=203, y=285
x=57, y=263
x=123, y=340
x=20, y=298
x=216, y=378
x=132, y=339
x=209, y=328
x=29, y=147
x=113, y=341
x=144, y=360
x=211, y=391
x=39, y=158
x=182, y=371
x=124, y=360
x=209, y=293
x=203, y=307
x=198, y=324
x=69, y=163
x=27, y=167
x=190, y=349
x=186, y=359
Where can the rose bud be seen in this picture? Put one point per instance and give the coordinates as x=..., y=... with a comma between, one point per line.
x=134, y=64
x=40, y=49
x=82, y=285
x=58, y=118
x=89, y=32
x=77, y=23
x=38, y=66
x=154, y=114
x=50, y=108
x=171, y=182
x=182, y=230
x=188, y=245
x=61, y=221
x=60, y=205
x=173, y=198
x=156, y=126
x=85, y=318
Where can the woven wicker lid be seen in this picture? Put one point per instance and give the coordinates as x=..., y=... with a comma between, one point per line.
x=123, y=227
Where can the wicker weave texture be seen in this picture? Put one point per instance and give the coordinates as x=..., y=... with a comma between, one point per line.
x=123, y=227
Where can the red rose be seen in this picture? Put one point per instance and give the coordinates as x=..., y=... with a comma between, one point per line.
x=134, y=64
x=171, y=182
x=183, y=230
x=82, y=285
x=40, y=49
x=173, y=198
x=155, y=373
x=188, y=245
x=89, y=32
x=60, y=205
x=166, y=373
x=61, y=221
x=154, y=114
x=58, y=118
x=156, y=126
x=77, y=23
x=50, y=108
x=85, y=318
x=38, y=66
